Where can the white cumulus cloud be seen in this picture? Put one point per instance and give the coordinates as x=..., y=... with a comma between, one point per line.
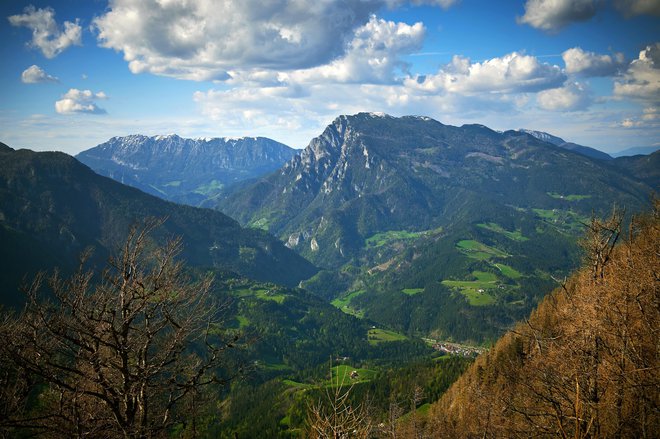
x=202, y=40
x=631, y=8
x=373, y=55
x=80, y=101
x=551, y=15
x=303, y=102
x=585, y=63
x=512, y=73
x=47, y=36
x=642, y=78
x=222, y=40
x=35, y=74
x=571, y=97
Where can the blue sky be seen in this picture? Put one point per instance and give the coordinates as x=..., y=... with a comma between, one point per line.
x=77, y=72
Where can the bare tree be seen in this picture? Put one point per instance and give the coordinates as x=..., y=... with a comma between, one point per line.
x=585, y=364
x=117, y=357
x=389, y=427
x=600, y=238
x=416, y=398
x=336, y=417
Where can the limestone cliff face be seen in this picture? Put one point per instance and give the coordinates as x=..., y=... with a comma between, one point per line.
x=369, y=173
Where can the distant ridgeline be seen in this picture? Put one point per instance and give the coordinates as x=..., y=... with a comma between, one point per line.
x=188, y=171
x=558, y=141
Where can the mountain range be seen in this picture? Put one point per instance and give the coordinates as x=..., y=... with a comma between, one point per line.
x=424, y=228
x=434, y=229
x=52, y=207
x=389, y=204
x=369, y=173
x=421, y=230
x=636, y=150
x=188, y=171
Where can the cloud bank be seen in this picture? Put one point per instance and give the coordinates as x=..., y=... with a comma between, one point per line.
x=512, y=73
x=203, y=40
x=292, y=66
x=306, y=99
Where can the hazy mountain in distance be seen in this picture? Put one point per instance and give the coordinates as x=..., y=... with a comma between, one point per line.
x=637, y=150
x=189, y=171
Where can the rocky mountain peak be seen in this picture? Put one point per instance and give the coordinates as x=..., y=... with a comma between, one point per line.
x=369, y=173
x=330, y=158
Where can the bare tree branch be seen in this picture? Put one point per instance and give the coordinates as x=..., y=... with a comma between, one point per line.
x=118, y=354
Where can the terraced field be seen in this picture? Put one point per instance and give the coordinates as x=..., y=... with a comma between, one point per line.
x=494, y=227
x=509, y=272
x=376, y=336
x=484, y=287
x=477, y=250
x=478, y=291
x=565, y=221
x=261, y=293
x=571, y=197
x=412, y=291
x=342, y=374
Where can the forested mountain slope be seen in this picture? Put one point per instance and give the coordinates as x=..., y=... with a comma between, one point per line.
x=435, y=230
x=644, y=167
x=52, y=207
x=371, y=173
x=585, y=363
